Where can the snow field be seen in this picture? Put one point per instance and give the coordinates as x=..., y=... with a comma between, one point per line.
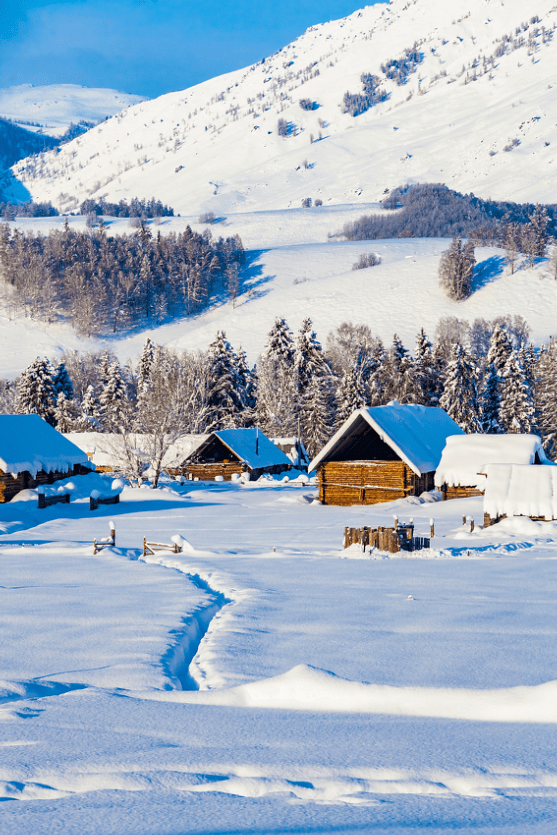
x=308, y=657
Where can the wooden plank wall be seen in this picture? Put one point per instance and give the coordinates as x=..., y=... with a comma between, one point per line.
x=459, y=492
x=207, y=472
x=344, y=482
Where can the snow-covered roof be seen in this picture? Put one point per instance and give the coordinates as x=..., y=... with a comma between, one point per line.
x=27, y=442
x=416, y=433
x=108, y=450
x=520, y=490
x=465, y=456
x=244, y=442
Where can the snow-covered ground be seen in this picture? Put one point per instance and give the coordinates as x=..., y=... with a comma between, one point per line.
x=334, y=691
x=295, y=271
x=52, y=108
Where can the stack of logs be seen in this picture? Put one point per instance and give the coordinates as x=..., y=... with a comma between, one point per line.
x=398, y=538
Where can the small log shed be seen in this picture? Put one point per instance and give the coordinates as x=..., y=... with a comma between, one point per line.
x=520, y=490
x=234, y=451
x=461, y=472
x=33, y=453
x=383, y=453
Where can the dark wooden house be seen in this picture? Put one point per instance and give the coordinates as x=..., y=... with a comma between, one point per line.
x=235, y=451
x=462, y=469
x=33, y=453
x=383, y=453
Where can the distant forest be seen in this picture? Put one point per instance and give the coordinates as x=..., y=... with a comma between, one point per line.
x=431, y=210
x=101, y=283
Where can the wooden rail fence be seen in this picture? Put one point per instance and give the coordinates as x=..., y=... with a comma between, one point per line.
x=94, y=502
x=105, y=543
x=57, y=498
x=152, y=547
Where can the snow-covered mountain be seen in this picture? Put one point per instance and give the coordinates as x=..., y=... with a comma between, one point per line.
x=469, y=100
x=52, y=108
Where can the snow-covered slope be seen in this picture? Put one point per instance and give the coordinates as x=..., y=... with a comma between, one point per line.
x=53, y=107
x=485, y=84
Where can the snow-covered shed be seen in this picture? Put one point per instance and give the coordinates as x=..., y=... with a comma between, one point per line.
x=461, y=471
x=294, y=448
x=383, y=453
x=32, y=452
x=520, y=490
x=230, y=451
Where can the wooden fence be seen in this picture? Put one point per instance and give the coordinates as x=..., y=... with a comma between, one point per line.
x=152, y=547
x=57, y=498
x=398, y=538
x=94, y=502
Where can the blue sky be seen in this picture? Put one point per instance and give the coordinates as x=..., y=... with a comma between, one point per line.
x=147, y=47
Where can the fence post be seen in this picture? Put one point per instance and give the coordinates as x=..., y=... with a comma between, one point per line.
x=112, y=533
x=471, y=524
x=144, y=546
x=346, y=536
x=463, y=521
x=94, y=546
x=431, y=529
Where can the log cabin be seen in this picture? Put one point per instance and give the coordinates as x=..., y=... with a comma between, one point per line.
x=383, y=453
x=461, y=471
x=229, y=452
x=33, y=453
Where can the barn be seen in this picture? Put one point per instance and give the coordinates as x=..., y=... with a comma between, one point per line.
x=383, y=453
x=33, y=453
x=228, y=452
x=461, y=470
x=520, y=490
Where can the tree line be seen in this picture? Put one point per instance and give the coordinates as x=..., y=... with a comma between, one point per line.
x=485, y=375
x=102, y=283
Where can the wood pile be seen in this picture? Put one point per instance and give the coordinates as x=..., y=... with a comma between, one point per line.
x=399, y=538
x=459, y=492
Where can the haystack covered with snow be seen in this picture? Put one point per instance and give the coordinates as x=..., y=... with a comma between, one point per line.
x=32, y=452
x=461, y=471
x=520, y=490
x=229, y=452
x=383, y=453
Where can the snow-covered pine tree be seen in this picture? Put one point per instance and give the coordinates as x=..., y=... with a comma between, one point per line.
x=308, y=357
x=546, y=398
x=500, y=349
x=246, y=389
x=65, y=414
x=145, y=365
x=460, y=393
x=315, y=415
x=489, y=401
x=224, y=397
x=113, y=400
x=90, y=417
x=456, y=269
x=61, y=381
x=517, y=413
x=277, y=398
x=377, y=377
x=424, y=373
x=351, y=392
x=35, y=391
x=398, y=373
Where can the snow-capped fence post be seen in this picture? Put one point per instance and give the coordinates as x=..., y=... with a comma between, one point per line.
x=346, y=537
x=471, y=524
x=463, y=521
x=431, y=529
x=104, y=543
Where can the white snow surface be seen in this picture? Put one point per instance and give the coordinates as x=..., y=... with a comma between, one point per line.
x=518, y=490
x=418, y=434
x=216, y=146
x=465, y=456
x=51, y=108
x=264, y=679
x=27, y=442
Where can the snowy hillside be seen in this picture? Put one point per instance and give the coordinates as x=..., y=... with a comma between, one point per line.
x=468, y=100
x=53, y=107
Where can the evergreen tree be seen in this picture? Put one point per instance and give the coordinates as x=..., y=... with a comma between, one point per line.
x=90, y=412
x=517, y=413
x=546, y=398
x=145, y=365
x=456, y=269
x=224, y=400
x=35, y=390
x=277, y=399
x=61, y=382
x=490, y=401
x=500, y=349
x=460, y=394
x=315, y=416
x=113, y=400
x=308, y=358
x=351, y=393
x=65, y=414
x=246, y=389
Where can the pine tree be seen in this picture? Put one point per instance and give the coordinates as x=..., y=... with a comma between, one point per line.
x=517, y=413
x=90, y=412
x=315, y=416
x=500, y=349
x=61, y=382
x=224, y=402
x=35, y=391
x=351, y=392
x=65, y=414
x=511, y=245
x=460, y=394
x=246, y=390
x=113, y=400
x=308, y=358
x=145, y=365
x=277, y=398
x=456, y=270
x=546, y=398
x=490, y=401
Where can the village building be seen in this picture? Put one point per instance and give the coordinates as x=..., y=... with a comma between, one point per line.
x=383, y=453
x=461, y=472
x=114, y=453
x=520, y=490
x=229, y=452
x=294, y=449
x=33, y=453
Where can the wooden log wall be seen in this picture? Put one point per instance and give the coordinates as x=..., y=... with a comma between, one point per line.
x=10, y=486
x=208, y=472
x=365, y=482
x=459, y=492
